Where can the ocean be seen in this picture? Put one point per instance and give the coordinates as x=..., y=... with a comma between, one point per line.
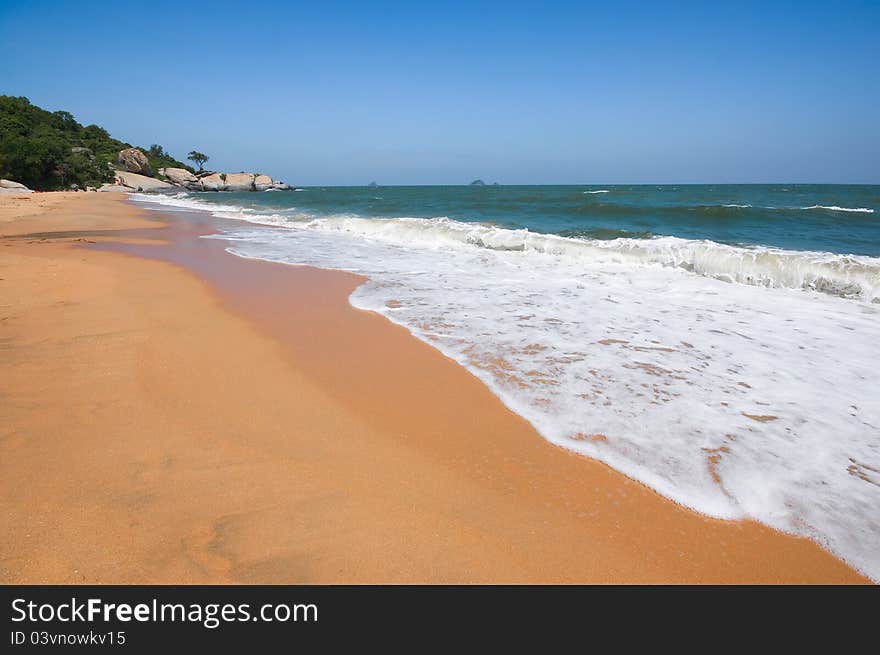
x=718, y=343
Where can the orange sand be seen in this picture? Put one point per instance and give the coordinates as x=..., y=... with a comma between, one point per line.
x=200, y=418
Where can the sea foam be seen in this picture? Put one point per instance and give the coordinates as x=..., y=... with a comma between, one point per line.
x=835, y=208
x=850, y=276
x=716, y=375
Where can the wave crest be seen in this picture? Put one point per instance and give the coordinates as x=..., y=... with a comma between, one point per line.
x=835, y=208
x=848, y=276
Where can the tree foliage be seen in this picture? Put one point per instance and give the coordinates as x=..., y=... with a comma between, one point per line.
x=198, y=158
x=51, y=150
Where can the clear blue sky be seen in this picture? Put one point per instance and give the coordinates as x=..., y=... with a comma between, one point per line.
x=433, y=93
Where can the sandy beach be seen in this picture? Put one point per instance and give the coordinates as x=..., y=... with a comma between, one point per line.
x=170, y=413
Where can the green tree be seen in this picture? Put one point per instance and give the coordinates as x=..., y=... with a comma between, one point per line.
x=198, y=158
x=66, y=121
x=44, y=150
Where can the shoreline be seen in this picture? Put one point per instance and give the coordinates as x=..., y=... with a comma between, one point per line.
x=312, y=441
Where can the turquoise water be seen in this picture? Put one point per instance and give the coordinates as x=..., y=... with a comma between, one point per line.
x=793, y=217
x=724, y=340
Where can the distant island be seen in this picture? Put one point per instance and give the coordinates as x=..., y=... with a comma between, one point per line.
x=372, y=184
x=50, y=151
x=478, y=183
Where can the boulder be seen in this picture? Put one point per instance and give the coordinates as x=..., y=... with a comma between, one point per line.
x=141, y=182
x=134, y=161
x=179, y=176
x=115, y=188
x=262, y=183
x=213, y=182
x=239, y=181
x=8, y=186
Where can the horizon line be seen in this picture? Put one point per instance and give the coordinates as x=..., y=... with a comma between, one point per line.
x=593, y=184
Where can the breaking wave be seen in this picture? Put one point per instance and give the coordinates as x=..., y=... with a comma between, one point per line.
x=835, y=208
x=848, y=276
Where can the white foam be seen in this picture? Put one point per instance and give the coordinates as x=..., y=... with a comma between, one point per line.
x=184, y=200
x=835, y=208
x=845, y=275
x=680, y=372
x=851, y=276
x=598, y=191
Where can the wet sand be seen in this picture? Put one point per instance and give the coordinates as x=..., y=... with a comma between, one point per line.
x=170, y=413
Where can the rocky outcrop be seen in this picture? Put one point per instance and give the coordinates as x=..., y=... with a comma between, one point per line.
x=262, y=182
x=134, y=161
x=115, y=188
x=213, y=182
x=8, y=186
x=137, y=182
x=179, y=176
x=199, y=181
x=240, y=181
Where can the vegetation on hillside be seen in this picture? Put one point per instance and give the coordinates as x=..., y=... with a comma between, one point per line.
x=51, y=150
x=159, y=158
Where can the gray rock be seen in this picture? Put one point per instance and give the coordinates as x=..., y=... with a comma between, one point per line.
x=142, y=182
x=14, y=187
x=262, y=182
x=179, y=176
x=134, y=161
x=239, y=181
x=115, y=188
x=213, y=182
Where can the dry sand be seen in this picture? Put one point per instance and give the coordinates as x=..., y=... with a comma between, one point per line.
x=179, y=415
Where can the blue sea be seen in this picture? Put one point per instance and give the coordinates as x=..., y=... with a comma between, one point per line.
x=839, y=219
x=723, y=340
